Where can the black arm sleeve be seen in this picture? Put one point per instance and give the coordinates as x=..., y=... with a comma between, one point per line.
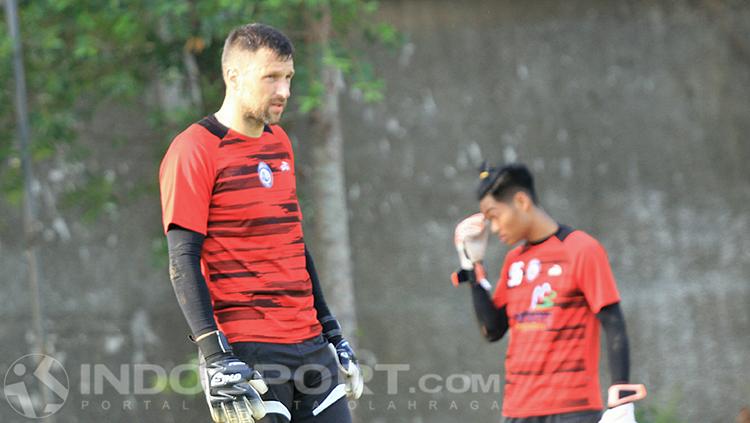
x=188, y=282
x=318, y=300
x=618, y=352
x=331, y=328
x=493, y=321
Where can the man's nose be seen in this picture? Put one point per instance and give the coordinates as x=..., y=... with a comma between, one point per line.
x=283, y=89
x=494, y=227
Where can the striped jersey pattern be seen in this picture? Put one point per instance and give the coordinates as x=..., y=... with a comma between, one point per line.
x=552, y=291
x=240, y=192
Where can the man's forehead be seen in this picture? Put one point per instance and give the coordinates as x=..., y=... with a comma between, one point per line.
x=263, y=57
x=488, y=203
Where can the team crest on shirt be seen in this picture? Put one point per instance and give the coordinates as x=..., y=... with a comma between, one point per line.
x=265, y=174
x=285, y=166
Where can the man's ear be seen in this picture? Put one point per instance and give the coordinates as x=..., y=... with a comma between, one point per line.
x=522, y=201
x=230, y=78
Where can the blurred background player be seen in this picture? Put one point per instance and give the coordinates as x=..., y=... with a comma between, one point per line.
x=239, y=265
x=555, y=290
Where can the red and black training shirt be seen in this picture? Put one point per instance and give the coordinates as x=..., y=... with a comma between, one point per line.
x=552, y=291
x=240, y=192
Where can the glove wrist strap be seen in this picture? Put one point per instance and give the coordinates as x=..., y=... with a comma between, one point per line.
x=331, y=329
x=472, y=276
x=622, y=393
x=213, y=344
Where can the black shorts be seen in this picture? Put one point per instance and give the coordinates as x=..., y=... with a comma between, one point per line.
x=304, y=384
x=577, y=417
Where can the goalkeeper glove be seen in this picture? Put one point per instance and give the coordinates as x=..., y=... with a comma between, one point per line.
x=232, y=388
x=345, y=357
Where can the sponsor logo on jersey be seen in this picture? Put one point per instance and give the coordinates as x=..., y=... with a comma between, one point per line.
x=533, y=269
x=265, y=174
x=515, y=274
x=532, y=320
x=543, y=297
x=555, y=270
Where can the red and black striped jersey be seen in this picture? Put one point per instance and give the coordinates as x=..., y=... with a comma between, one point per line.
x=552, y=291
x=240, y=192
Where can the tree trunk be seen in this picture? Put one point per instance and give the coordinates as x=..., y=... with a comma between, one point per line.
x=193, y=78
x=31, y=225
x=333, y=257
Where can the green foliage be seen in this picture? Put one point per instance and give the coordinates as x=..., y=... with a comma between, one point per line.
x=371, y=87
x=313, y=99
x=385, y=34
x=12, y=183
x=97, y=196
x=81, y=54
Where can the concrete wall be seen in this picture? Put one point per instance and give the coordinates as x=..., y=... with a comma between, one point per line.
x=634, y=116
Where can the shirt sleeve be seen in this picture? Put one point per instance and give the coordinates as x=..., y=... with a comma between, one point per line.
x=186, y=180
x=595, y=278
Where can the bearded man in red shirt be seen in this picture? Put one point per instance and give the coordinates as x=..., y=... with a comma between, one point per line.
x=270, y=348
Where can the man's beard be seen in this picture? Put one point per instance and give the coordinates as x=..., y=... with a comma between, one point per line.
x=257, y=116
x=263, y=116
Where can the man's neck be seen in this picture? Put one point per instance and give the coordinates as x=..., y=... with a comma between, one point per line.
x=231, y=117
x=542, y=227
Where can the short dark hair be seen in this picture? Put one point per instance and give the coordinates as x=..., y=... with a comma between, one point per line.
x=503, y=182
x=252, y=37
